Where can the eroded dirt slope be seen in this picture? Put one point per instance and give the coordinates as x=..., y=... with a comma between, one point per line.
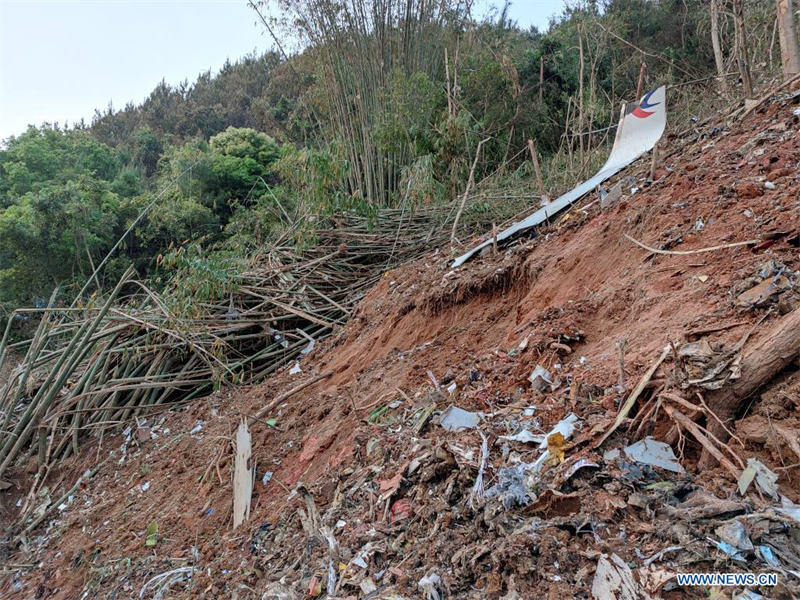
x=398, y=493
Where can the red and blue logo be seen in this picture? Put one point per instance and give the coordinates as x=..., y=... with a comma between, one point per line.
x=641, y=110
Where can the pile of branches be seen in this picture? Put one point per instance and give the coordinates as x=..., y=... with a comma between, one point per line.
x=100, y=366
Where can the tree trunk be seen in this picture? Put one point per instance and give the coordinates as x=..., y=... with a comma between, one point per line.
x=580, y=89
x=715, y=43
x=774, y=350
x=787, y=33
x=640, y=82
x=541, y=79
x=743, y=59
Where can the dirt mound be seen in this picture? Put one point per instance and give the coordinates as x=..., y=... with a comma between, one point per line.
x=359, y=486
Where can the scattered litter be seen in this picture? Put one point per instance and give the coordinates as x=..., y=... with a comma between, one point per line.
x=511, y=487
x=766, y=479
x=308, y=348
x=556, y=446
x=769, y=185
x=789, y=508
x=524, y=436
x=654, y=453
x=151, y=535
x=242, y=476
x=613, y=580
x=732, y=551
x=541, y=379
x=763, y=293
x=477, y=489
x=145, y=486
x=314, y=587
x=278, y=591
x=389, y=486
x=768, y=556
x=333, y=553
x=367, y=586
x=454, y=419
x=261, y=542
x=660, y=554
x=164, y=581
x=267, y=476
x=451, y=388
x=581, y=463
x=565, y=427
x=772, y=281
x=401, y=510
x=734, y=533
x=295, y=369
x=613, y=195
x=428, y=585
x=197, y=428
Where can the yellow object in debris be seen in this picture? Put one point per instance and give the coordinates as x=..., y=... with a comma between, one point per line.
x=556, y=444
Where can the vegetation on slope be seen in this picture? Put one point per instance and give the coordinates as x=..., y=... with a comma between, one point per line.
x=373, y=112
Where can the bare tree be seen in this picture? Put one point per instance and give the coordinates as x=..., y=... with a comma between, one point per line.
x=790, y=57
x=741, y=43
x=715, y=42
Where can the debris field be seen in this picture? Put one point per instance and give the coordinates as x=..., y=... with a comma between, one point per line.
x=572, y=416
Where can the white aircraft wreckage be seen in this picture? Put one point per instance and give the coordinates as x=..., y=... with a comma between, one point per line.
x=640, y=127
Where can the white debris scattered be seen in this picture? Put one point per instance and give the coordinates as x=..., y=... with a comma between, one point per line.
x=428, y=585
x=524, y=436
x=613, y=580
x=565, y=427
x=454, y=418
x=541, y=379
x=789, y=508
x=654, y=453
x=766, y=479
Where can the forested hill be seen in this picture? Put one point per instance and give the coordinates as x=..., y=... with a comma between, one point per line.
x=383, y=112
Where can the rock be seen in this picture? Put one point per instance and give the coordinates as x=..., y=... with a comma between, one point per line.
x=746, y=190
x=763, y=293
x=612, y=197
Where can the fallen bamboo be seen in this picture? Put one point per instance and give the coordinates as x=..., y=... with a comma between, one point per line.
x=91, y=367
x=289, y=393
x=626, y=408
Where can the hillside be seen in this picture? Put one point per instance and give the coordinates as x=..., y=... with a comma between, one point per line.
x=359, y=484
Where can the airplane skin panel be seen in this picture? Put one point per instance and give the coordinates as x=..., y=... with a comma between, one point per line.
x=638, y=130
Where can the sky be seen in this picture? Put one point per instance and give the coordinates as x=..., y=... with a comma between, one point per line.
x=62, y=59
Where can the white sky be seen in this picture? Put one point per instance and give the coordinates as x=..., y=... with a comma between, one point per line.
x=62, y=59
